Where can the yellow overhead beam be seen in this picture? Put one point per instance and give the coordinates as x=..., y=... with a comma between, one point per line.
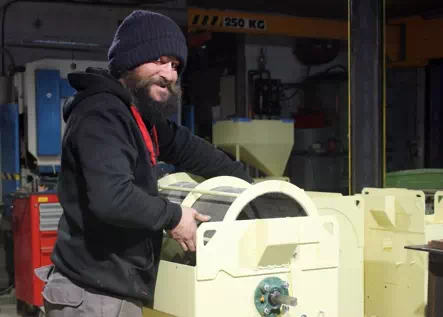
x=241, y=22
x=409, y=42
x=422, y=39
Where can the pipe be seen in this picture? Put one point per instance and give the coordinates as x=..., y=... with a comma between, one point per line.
x=84, y=49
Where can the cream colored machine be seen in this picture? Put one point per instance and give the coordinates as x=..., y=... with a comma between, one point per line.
x=265, y=252
x=349, y=213
x=434, y=221
x=250, y=141
x=376, y=275
x=334, y=255
x=395, y=278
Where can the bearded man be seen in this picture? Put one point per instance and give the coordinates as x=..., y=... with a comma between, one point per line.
x=106, y=256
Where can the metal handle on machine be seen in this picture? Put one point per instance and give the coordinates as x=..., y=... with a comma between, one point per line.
x=199, y=191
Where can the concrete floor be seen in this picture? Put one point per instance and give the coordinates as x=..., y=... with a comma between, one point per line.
x=8, y=311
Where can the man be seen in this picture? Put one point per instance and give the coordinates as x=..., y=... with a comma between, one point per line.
x=110, y=235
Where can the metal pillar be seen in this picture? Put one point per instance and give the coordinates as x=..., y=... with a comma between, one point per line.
x=434, y=115
x=366, y=87
x=240, y=78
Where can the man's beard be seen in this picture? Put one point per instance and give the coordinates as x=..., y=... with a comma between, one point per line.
x=153, y=110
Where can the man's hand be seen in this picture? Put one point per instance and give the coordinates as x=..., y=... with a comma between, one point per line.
x=185, y=232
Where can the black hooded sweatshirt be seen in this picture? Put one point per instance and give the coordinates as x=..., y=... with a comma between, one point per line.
x=110, y=234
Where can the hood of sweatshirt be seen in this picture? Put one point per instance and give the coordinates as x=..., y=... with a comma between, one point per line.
x=90, y=82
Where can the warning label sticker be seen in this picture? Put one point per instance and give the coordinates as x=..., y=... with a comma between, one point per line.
x=218, y=21
x=244, y=23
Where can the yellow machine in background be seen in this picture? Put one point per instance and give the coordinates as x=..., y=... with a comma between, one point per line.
x=250, y=141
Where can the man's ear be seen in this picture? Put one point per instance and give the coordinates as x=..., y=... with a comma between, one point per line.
x=123, y=82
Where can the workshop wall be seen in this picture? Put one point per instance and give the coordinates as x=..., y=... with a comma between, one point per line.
x=283, y=64
x=44, y=30
x=280, y=59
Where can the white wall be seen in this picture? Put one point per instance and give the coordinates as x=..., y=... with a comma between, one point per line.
x=71, y=23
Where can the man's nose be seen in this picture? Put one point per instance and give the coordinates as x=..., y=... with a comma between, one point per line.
x=167, y=71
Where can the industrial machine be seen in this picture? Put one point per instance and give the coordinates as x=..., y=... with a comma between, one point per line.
x=263, y=144
x=373, y=228
x=395, y=278
x=265, y=252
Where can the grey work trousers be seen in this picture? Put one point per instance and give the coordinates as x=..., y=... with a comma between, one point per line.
x=63, y=298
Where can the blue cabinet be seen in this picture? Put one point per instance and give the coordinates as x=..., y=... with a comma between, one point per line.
x=49, y=89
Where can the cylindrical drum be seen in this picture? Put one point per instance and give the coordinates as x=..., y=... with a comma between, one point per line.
x=229, y=198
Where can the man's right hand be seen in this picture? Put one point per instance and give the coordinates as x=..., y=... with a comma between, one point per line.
x=185, y=232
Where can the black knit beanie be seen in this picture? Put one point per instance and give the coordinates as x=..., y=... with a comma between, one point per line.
x=145, y=36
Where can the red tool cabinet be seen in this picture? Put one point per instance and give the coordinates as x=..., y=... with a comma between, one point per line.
x=35, y=220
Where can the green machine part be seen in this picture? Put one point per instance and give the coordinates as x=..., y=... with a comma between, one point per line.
x=418, y=179
x=272, y=298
